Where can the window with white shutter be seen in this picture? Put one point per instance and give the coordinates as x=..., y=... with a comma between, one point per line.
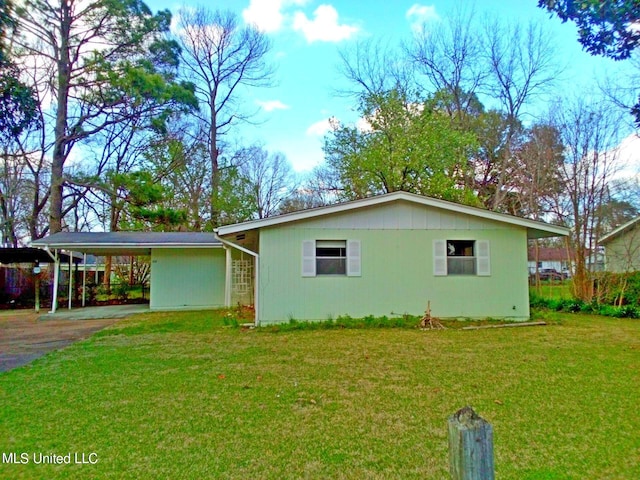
x=331, y=257
x=461, y=257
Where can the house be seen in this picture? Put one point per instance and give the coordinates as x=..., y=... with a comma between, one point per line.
x=622, y=248
x=390, y=253
x=556, y=258
x=384, y=255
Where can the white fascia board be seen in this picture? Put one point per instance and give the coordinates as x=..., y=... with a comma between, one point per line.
x=622, y=228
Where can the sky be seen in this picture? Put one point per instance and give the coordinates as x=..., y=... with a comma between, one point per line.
x=307, y=36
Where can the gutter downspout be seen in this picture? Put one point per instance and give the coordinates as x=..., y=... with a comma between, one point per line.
x=256, y=260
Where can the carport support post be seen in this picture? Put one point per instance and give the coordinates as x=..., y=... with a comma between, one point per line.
x=70, y=278
x=227, y=276
x=56, y=279
x=84, y=277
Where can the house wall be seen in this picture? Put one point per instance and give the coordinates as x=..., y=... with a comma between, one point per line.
x=397, y=267
x=187, y=278
x=623, y=252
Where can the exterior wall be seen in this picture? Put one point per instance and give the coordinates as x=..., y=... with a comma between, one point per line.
x=623, y=252
x=187, y=278
x=397, y=268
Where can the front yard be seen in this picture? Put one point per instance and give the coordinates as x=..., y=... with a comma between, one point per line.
x=179, y=395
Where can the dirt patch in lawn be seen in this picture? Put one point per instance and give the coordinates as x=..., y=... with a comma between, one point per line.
x=23, y=337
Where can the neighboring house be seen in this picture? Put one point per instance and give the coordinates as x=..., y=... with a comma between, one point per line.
x=385, y=255
x=622, y=248
x=556, y=258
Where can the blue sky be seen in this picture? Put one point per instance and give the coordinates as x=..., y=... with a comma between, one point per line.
x=308, y=34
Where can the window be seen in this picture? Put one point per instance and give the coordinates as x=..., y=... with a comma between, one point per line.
x=461, y=259
x=331, y=257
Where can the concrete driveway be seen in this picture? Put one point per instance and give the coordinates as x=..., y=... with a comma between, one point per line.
x=25, y=335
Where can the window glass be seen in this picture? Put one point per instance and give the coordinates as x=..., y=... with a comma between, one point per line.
x=331, y=257
x=461, y=258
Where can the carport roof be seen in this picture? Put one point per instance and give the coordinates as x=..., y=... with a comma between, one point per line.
x=126, y=243
x=30, y=255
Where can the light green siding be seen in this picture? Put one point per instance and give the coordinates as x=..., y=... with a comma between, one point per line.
x=623, y=252
x=397, y=269
x=187, y=278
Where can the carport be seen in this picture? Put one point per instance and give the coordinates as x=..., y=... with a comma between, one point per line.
x=187, y=268
x=36, y=256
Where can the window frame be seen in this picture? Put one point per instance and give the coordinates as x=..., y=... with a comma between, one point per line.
x=482, y=256
x=352, y=259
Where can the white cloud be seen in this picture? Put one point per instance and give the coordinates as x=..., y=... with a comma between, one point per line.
x=324, y=27
x=628, y=158
x=265, y=15
x=271, y=105
x=418, y=15
x=321, y=128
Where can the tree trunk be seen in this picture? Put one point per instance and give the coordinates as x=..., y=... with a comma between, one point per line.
x=215, y=170
x=60, y=129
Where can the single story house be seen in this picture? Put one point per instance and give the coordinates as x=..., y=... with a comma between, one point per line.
x=383, y=255
x=622, y=248
x=557, y=258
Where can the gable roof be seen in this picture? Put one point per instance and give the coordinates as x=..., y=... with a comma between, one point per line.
x=550, y=254
x=534, y=229
x=620, y=230
x=126, y=243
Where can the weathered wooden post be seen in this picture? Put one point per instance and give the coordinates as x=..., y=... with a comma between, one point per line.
x=470, y=446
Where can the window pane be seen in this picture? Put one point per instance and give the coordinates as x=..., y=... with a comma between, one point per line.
x=331, y=266
x=460, y=248
x=331, y=252
x=461, y=266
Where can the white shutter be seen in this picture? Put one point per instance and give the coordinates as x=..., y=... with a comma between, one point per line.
x=308, y=258
x=353, y=258
x=439, y=257
x=483, y=258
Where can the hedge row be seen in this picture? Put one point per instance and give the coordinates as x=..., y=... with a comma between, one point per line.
x=578, y=306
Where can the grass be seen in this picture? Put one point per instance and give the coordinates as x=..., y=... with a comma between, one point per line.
x=553, y=289
x=189, y=395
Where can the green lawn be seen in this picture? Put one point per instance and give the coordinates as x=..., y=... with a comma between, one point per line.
x=181, y=396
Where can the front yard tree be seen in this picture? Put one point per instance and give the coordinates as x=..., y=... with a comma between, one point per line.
x=222, y=58
x=403, y=145
x=588, y=134
x=94, y=57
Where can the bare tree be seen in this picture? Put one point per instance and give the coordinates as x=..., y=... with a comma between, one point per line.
x=521, y=67
x=449, y=56
x=374, y=67
x=269, y=177
x=221, y=57
x=589, y=134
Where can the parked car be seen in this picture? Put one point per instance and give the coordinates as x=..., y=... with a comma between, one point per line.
x=549, y=274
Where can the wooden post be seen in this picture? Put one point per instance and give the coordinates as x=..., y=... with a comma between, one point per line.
x=470, y=446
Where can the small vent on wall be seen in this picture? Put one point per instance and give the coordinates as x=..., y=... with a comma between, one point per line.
x=241, y=236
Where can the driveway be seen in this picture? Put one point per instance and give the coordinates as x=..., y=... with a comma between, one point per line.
x=23, y=337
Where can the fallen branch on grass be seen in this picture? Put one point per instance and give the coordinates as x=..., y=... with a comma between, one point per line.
x=505, y=325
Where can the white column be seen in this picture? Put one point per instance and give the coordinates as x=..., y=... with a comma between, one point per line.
x=70, y=277
x=84, y=279
x=56, y=280
x=227, y=277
